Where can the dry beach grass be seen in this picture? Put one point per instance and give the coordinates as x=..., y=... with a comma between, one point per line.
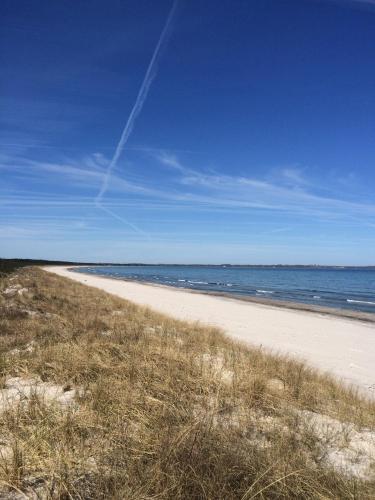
x=101, y=398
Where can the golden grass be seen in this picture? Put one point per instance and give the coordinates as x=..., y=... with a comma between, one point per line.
x=163, y=409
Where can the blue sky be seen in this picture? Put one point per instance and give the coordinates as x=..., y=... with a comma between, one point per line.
x=252, y=139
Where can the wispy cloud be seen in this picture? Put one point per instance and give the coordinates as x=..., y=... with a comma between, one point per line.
x=83, y=173
x=259, y=193
x=289, y=191
x=294, y=176
x=41, y=146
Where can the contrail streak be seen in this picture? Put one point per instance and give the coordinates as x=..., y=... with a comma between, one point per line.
x=138, y=105
x=126, y=222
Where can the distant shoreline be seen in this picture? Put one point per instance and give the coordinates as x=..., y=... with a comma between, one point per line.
x=45, y=262
x=283, y=304
x=242, y=266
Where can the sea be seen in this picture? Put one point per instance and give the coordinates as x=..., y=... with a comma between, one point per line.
x=340, y=288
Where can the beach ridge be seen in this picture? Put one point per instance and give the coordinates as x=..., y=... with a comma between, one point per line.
x=334, y=344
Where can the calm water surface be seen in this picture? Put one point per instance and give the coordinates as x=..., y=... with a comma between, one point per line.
x=340, y=288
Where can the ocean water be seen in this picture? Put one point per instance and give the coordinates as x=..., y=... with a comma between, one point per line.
x=334, y=287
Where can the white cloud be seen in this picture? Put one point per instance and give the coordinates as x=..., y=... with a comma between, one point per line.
x=227, y=190
x=288, y=192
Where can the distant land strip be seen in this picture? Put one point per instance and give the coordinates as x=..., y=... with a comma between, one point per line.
x=19, y=262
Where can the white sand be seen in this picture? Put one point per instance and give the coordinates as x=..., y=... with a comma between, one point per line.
x=343, y=347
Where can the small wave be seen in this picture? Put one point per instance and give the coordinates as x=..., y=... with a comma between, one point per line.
x=316, y=297
x=229, y=284
x=198, y=282
x=182, y=280
x=352, y=301
x=264, y=291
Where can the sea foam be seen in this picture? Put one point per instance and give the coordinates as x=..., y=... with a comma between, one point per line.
x=352, y=301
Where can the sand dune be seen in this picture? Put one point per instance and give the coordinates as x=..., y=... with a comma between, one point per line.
x=343, y=347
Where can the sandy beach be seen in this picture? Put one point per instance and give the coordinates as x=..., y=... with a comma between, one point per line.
x=341, y=346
